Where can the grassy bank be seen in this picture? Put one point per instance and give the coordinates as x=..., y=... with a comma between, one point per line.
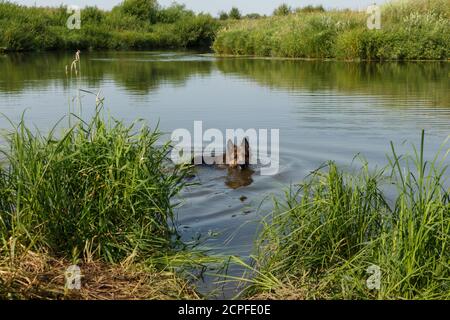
x=410, y=30
x=323, y=237
x=133, y=24
x=98, y=196
x=35, y=275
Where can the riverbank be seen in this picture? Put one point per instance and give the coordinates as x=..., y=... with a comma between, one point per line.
x=410, y=30
x=340, y=235
x=133, y=24
x=99, y=197
x=32, y=275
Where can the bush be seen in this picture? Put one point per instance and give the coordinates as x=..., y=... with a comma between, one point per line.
x=234, y=13
x=92, y=15
x=144, y=10
x=144, y=24
x=174, y=13
x=310, y=8
x=223, y=15
x=197, y=32
x=282, y=10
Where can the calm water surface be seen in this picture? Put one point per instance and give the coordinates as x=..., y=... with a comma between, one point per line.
x=324, y=110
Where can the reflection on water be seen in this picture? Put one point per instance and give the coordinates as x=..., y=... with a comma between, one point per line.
x=324, y=110
x=427, y=82
x=138, y=73
x=238, y=178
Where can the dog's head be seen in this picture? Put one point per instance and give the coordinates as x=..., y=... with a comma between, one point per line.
x=238, y=155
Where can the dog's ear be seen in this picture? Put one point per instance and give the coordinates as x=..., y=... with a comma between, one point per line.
x=245, y=145
x=230, y=147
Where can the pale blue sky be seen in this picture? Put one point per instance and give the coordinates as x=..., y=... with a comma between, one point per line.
x=214, y=6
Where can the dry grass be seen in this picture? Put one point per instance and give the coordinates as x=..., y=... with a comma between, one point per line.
x=39, y=276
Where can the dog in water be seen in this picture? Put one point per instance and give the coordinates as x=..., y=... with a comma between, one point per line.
x=237, y=160
x=234, y=157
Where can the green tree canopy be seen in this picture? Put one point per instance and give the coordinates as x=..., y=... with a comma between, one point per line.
x=282, y=10
x=145, y=10
x=235, y=13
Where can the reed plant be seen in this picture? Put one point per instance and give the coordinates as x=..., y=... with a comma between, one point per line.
x=102, y=185
x=326, y=235
x=99, y=194
x=410, y=30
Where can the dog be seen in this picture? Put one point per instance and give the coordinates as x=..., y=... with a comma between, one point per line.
x=234, y=157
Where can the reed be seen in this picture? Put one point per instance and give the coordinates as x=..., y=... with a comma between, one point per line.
x=323, y=236
x=102, y=185
x=100, y=195
x=410, y=30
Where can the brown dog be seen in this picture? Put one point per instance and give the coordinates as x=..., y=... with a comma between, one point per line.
x=235, y=156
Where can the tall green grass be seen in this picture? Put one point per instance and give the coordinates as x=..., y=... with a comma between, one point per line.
x=322, y=238
x=102, y=187
x=409, y=30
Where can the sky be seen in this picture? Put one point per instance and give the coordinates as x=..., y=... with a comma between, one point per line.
x=214, y=6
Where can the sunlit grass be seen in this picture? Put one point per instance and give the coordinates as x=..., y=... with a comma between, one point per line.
x=322, y=237
x=409, y=30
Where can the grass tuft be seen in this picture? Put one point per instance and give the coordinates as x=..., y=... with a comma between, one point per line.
x=323, y=236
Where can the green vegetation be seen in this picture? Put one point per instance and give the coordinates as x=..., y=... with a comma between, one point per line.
x=282, y=10
x=139, y=24
x=126, y=68
x=320, y=241
x=99, y=195
x=235, y=14
x=98, y=185
x=424, y=81
x=410, y=81
x=409, y=30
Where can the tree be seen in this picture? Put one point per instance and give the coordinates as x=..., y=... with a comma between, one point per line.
x=253, y=16
x=223, y=15
x=234, y=13
x=174, y=13
x=310, y=8
x=144, y=10
x=282, y=10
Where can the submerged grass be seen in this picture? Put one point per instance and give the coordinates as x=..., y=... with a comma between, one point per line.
x=410, y=30
x=322, y=238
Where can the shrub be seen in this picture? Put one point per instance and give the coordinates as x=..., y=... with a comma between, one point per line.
x=282, y=10
x=234, y=13
x=197, y=32
x=144, y=10
x=174, y=13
